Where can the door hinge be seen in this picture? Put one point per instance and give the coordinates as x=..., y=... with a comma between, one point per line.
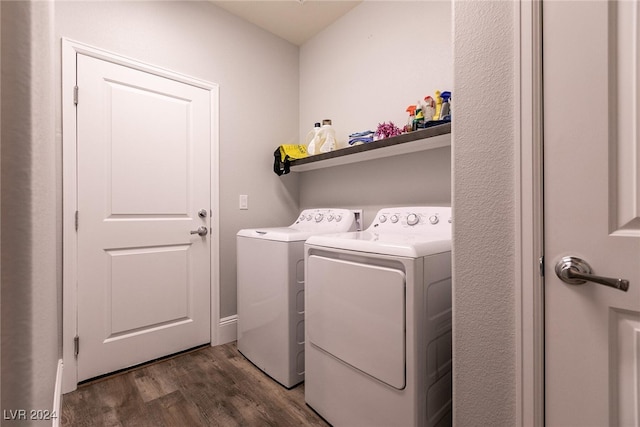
x=75, y=95
x=76, y=346
x=541, y=264
x=76, y=220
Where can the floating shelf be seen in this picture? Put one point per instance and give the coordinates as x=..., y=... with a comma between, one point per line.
x=420, y=140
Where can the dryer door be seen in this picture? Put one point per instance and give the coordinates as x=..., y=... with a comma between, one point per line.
x=356, y=312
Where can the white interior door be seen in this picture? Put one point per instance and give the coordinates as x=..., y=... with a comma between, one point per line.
x=592, y=211
x=143, y=176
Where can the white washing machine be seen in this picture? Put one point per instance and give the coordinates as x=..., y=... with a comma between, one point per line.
x=378, y=321
x=270, y=271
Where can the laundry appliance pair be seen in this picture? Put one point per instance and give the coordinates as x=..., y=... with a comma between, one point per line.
x=377, y=316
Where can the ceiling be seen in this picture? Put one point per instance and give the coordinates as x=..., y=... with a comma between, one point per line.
x=294, y=20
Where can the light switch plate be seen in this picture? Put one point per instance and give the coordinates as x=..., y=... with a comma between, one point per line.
x=244, y=202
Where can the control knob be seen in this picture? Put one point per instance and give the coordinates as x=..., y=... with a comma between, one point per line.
x=394, y=218
x=412, y=219
x=319, y=217
x=330, y=217
x=382, y=218
x=338, y=218
x=433, y=219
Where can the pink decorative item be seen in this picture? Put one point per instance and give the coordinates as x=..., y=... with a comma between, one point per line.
x=386, y=130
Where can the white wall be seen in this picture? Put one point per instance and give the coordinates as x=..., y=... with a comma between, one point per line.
x=249, y=66
x=258, y=77
x=30, y=291
x=368, y=66
x=483, y=201
x=365, y=69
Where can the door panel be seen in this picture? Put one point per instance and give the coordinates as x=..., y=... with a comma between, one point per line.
x=144, y=179
x=591, y=211
x=142, y=275
x=143, y=174
x=626, y=366
x=624, y=98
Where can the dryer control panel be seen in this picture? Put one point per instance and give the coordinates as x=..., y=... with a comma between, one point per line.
x=412, y=220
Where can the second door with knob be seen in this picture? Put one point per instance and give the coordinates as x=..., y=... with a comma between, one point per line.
x=143, y=183
x=592, y=213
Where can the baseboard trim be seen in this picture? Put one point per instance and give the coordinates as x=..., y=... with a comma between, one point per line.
x=227, y=329
x=57, y=396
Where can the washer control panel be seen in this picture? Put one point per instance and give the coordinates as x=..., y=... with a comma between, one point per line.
x=416, y=219
x=332, y=220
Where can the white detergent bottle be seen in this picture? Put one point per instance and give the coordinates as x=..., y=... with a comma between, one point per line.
x=313, y=140
x=329, y=137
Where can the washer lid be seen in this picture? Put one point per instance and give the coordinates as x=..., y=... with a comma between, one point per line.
x=410, y=246
x=282, y=234
x=309, y=223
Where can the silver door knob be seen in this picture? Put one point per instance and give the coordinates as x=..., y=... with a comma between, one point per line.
x=576, y=271
x=202, y=213
x=201, y=231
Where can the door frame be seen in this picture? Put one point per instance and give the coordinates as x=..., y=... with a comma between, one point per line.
x=70, y=50
x=529, y=221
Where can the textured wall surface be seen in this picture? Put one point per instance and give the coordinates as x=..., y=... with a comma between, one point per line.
x=483, y=202
x=29, y=292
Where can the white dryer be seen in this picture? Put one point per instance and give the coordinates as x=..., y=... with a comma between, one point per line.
x=378, y=321
x=270, y=290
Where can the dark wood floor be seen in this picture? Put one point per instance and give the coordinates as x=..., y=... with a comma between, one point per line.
x=211, y=386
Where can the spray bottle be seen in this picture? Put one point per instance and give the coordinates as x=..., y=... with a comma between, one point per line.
x=313, y=140
x=411, y=109
x=445, y=112
x=329, y=137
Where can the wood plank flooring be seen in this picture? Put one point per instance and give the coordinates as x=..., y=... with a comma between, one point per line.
x=211, y=386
